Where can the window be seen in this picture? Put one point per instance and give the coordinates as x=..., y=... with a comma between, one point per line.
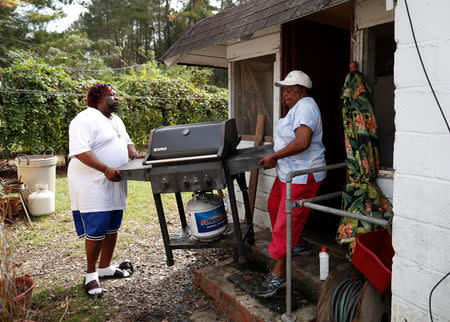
x=253, y=93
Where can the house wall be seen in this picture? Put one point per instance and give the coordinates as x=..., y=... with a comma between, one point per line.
x=264, y=42
x=265, y=182
x=421, y=227
x=369, y=13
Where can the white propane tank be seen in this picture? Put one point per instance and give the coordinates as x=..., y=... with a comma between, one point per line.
x=41, y=202
x=206, y=216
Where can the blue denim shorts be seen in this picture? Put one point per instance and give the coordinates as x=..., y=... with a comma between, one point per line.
x=95, y=225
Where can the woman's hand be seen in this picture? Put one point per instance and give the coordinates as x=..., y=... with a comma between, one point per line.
x=269, y=161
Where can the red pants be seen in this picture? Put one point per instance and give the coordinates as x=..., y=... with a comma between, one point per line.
x=276, y=205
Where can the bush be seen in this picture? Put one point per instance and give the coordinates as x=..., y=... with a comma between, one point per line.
x=35, y=119
x=168, y=101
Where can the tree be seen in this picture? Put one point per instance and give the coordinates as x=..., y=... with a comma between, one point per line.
x=125, y=29
x=25, y=29
x=196, y=10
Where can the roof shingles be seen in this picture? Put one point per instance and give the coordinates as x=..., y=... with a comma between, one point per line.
x=243, y=20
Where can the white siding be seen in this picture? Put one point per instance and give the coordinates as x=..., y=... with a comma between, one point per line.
x=421, y=160
x=265, y=181
x=371, y=13
x=264, y=42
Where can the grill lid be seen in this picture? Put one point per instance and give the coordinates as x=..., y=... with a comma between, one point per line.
x=196, y=141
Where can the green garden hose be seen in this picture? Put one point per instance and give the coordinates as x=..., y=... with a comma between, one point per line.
x=344, y=299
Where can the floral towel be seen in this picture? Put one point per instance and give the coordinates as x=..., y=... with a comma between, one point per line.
x=362, y=195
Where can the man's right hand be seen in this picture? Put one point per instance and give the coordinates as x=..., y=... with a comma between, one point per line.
x=113, y=174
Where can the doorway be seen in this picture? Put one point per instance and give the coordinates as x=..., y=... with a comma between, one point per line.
x=323, y=52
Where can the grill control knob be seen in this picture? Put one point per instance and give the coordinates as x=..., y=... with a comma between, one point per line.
x=208, y=181
x=186, y=131
x=165, y=183
x=185, y=182
x=195, y=181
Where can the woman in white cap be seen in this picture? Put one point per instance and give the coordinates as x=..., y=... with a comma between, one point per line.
x=297, y=145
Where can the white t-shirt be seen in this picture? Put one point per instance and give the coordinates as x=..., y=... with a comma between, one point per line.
x=305, y=112
x=89, y=189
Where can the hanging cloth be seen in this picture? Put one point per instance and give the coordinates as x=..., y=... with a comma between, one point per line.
x=362, y=195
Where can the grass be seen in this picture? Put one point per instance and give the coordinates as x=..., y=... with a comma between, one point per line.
x=54, y=241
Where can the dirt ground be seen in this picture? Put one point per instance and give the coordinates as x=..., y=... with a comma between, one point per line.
x=155, y=292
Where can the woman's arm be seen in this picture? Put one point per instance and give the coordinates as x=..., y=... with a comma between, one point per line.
x=300, y=143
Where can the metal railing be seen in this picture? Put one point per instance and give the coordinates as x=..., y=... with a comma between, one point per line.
x=309, y=203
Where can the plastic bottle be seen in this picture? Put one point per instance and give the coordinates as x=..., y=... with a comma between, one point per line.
x=324, y=264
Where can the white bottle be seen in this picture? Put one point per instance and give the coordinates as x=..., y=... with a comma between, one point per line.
x=324, y=264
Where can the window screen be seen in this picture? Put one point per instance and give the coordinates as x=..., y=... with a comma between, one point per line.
x=253, y=93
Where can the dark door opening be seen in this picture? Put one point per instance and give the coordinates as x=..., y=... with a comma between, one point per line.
x=323, y=52
x=379, y=70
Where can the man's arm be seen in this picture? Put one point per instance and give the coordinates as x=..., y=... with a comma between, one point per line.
x=133, y=154
x=302, y=141
x=91, y=160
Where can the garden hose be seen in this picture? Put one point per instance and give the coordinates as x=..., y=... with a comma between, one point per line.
x=344, y=299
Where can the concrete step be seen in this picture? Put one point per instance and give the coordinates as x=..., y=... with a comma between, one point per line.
x=241, y=306
x=305, y=269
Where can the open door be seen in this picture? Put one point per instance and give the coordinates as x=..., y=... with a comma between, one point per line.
x=323, y=52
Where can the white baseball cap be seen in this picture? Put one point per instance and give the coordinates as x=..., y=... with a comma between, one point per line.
x=296, y=77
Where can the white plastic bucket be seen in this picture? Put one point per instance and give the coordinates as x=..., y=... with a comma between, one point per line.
x=36, y=170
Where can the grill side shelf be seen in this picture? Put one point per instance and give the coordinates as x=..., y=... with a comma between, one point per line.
x=247, y=159
x=135, y=170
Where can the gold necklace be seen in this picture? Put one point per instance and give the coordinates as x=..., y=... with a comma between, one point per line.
x=115, y=129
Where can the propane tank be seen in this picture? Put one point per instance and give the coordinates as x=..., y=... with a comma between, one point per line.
x=42, y=201
x=206, y=216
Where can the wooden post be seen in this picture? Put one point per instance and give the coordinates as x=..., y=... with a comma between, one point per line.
x=253, y=182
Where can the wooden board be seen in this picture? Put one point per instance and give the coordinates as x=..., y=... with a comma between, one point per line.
x=259, y=139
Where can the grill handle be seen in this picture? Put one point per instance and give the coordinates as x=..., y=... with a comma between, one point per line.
x=197, y=157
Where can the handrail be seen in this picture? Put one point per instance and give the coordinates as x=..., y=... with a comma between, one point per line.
x=308, y=203
x=288, y=316
x=342, y=213
x=292, y=174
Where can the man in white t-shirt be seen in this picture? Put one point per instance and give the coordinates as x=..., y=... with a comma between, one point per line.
x=98, y=145
x=297, y=146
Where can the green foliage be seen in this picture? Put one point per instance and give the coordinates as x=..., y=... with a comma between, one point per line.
x=36, y=121
x=150, y=97
x=174, y=100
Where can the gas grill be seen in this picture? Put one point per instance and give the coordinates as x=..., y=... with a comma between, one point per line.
x=197, y=158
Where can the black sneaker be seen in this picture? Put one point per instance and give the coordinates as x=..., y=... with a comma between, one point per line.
x=271, y=285
x=302, y=249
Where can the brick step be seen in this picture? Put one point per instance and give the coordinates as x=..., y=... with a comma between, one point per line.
x=236, y=304
x=239, y=305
